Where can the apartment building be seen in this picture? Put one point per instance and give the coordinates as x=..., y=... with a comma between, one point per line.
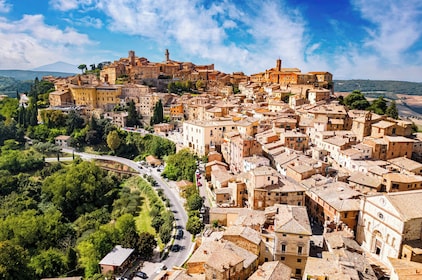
x=236, y=147
x=332, y=202
x=202, y=136
x=390, y=147
x=292, y=232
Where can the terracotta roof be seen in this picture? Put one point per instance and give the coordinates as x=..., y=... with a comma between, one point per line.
x=407, y=164
x=275, y=270
x=245, y=232
x=292, y=219
x=405, y=203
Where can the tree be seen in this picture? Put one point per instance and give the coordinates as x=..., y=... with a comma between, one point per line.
x=129, y=238
x=113, y=140
x=49, y=263
x=146, y=245
x=356, y=100
x=194, y=225
x=378, y=106
x=74, y=121
x=82, y=67
x=132, y=115
x=13, y=262
x=80, y=188
x=199, y=85
x=158, y=115
x=194, y=202
x=392, y=111
x=180, y=166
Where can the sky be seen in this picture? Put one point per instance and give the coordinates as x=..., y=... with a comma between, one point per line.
x=355, y=39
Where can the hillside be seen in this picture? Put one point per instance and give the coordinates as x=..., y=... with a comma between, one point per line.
x=9, y=86
x=21, y=80
x=375, y=88
x=24, y=75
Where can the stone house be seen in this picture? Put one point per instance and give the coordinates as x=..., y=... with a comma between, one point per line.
x=116, y=261
x=397, y=182
x=274, y=270
x=332, y=202
x=292, y=232
x=62, y=140
x=405, y=165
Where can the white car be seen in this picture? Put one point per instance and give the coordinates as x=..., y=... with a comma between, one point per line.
x=161, y=268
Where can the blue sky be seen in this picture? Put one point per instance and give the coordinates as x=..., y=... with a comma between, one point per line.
x=355, y=39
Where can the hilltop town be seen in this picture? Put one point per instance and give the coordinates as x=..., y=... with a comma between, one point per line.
x=285, y=159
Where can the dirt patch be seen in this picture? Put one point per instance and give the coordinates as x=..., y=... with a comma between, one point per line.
x=409, y=105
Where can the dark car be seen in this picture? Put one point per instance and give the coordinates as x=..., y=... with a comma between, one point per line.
x=141, y=274
x=179, y=234
x=175, y=248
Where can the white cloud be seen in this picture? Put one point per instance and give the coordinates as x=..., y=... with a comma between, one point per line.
x=273, y=31
x=86, y=21
x=395, y=29
x=386, y=52
x=67, y=5
x=29, y=42
x=4, y=6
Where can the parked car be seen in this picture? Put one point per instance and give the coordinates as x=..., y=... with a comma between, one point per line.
x=175, y=248
x=141, y=274
x=161, y=267
x=179, y=234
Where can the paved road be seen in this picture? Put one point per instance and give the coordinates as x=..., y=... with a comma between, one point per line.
x=174, y=258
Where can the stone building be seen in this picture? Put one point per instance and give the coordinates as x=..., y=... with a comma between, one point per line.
x=387, y=221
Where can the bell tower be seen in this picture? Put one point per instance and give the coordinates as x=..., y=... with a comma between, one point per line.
x=167, y=55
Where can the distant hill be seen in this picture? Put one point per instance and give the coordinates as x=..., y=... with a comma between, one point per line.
x=21, y=80
x=9, y=86
x=24, y=75
x=374, y=88
x=59, y=66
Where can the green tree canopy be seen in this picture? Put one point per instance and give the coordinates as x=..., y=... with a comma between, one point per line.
x=392, y=111
x=49, y=263
x=158, y=114
x=132, y=115
x=113, y=140
x=356, y=100
x=378, y=106
x=78, y=189
x=194, y=225
x=180, y=166
x=146, y=245
x=13, y=262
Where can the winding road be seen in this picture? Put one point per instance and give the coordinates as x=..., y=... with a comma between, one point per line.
x=171, y=192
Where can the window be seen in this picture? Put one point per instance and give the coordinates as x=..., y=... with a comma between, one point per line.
x=299, y=250
x=282, y=258
x=283, y=247
x=300, y=236
x=284, y=235
x=299, y=260
x=298, y=271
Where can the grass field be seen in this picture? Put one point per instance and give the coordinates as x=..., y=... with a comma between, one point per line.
x=143, y=221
